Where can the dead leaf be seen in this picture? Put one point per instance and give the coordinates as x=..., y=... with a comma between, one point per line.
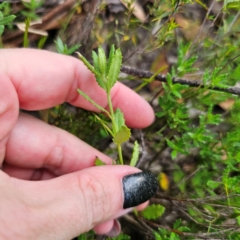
x=22, y=27
x=227, y=105
x=160, y=63
x=137, y=9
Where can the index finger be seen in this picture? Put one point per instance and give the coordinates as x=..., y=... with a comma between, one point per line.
x=43, y=79
x=36, y=79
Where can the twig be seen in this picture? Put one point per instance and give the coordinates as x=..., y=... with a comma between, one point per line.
x=189, y=176
x=233, y=22
x=144, y=152
x=162, y=78
x=196, y=235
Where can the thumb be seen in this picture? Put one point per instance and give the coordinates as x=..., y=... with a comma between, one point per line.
x=64, y=207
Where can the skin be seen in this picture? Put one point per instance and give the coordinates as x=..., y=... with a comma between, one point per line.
x=49, y=187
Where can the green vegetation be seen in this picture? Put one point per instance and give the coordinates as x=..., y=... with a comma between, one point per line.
x=193, y=145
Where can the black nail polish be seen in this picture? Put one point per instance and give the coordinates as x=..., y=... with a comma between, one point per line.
x=138, y=188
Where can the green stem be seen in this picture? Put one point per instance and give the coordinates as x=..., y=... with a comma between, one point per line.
x=120, y=154
x=111, y=111
x=226, y=189
x=114, y=125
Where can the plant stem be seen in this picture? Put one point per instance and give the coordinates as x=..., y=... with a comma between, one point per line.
x=111, y=111
x=120, y=154
x=162, y=78
x=114, y=126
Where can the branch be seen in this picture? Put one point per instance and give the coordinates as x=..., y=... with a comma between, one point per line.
x=162, y=78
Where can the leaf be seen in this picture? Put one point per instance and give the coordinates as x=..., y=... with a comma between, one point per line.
x=153, y=211
x=87, y=64
x=99, y=162
x=213, y=184
x=135, y=154
x=102, y=61
x=1, y=30
x=122, y=135
x=169, y=80
x=106, y=129
x=175, y=147
x=7, y=20
x=177, y=223
x=92, y=102
x=231, y=4
x=99, y=79
x=118, y=119
x=110, y=58
x=73, y=49
x=59, y=45
x=114, y=69
x=3, y=4
x=95, y=61
x=121, y=237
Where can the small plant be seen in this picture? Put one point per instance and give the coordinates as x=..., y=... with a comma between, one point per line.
x=106, y=73
x=4, y=20
x=64, y=49
x=31, y=8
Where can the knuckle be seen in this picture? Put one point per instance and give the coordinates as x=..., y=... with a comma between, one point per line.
x=96, y=200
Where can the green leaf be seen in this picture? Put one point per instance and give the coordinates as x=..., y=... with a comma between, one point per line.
x=73, y=49
x=59, y=45
x=228, y=4
x=85, y=61
x=92, y=102
x=95, y=61
x=236, y=73
x=7, y=20
x=3, y=4
x=153, y=211
x=102, y=61
x=174, y=236
x=104, y=124
x=122, y=135
x=110, y=58
x=174, y=146
x=98, y=74
x=114, y=69
x=169, y=80
x=1, y=30
x=177, y=223
x=99, y=162
x=121, y=237
x=135, y=154
x=118, y=119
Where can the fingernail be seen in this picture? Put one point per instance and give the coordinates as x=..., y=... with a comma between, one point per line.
x=138, y=188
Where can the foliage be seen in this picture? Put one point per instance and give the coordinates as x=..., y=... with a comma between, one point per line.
x=193, y=146
x=31, y=8
x=64, y=49
x=5, y=18
x=106, y=73
x=153, y=211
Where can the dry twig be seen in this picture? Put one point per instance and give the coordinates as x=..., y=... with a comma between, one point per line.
x=162, y=78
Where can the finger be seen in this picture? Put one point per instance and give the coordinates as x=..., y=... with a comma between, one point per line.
x=27, y=173
x=76, y=202
x=33, y=144
x=103, y=228
x=43, y=79
x=111, y=228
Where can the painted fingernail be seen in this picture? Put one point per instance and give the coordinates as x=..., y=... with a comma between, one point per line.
x=138, y=188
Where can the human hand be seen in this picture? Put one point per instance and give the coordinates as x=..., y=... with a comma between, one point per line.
x=69, y=195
